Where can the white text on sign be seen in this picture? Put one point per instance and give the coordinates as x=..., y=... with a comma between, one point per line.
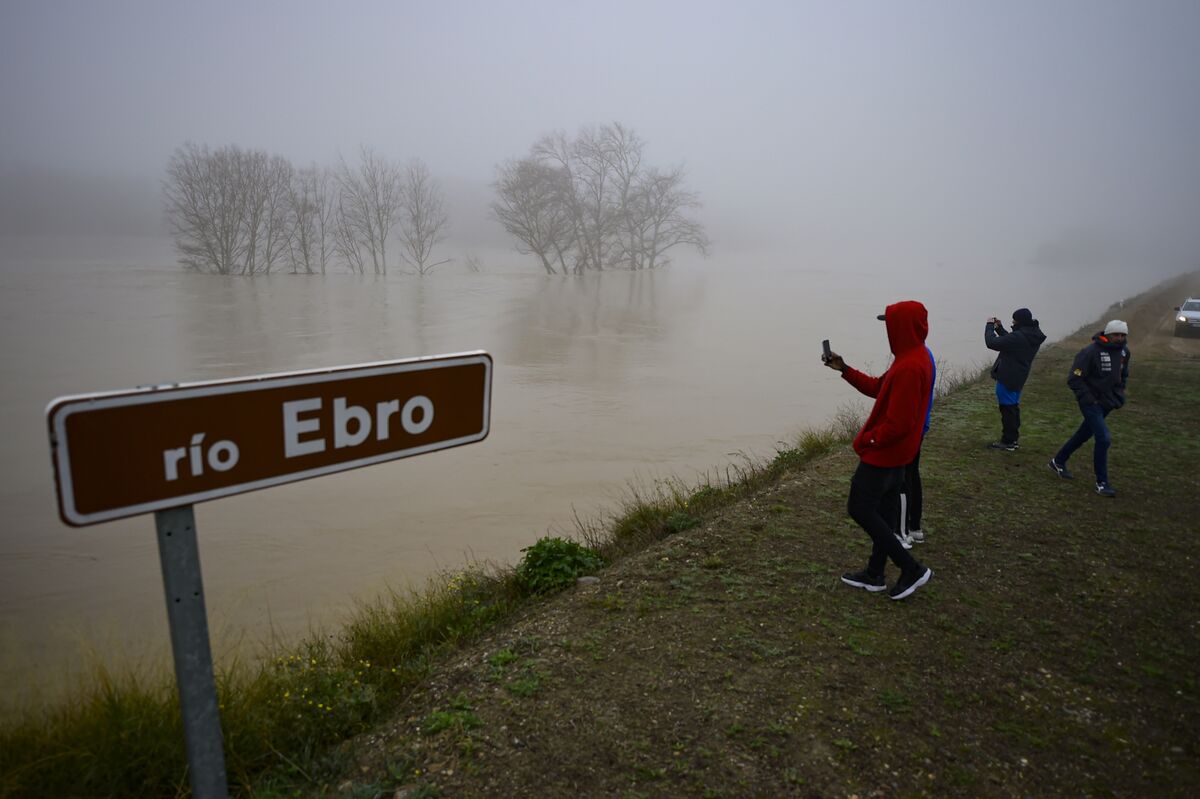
x=302, y=432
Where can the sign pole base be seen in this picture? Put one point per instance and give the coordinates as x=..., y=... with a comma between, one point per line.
x=190, y=647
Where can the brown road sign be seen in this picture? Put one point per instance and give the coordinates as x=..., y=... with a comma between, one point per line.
x=124, y=453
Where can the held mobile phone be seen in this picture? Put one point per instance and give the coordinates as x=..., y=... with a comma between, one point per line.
x=826, y=355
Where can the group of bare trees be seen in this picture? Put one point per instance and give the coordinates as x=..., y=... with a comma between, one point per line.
x=245, y=212
x=591, y=203
x=577, y=204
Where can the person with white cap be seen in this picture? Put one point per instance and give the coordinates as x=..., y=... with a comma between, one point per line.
x=1098, y=377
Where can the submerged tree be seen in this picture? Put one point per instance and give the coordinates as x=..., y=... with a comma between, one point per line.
x=658, y=219
x=369, y=198
x=228, y=208
x=246, y=212
x=528, y=205
x=591, y=203
x=422, y=217
x=205, y=202
x=267, y=181
x=311, y=211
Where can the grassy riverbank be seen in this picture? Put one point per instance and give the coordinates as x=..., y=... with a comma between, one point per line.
x=1055, y=651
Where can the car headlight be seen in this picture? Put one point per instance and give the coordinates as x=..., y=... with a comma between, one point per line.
x=1181, y=318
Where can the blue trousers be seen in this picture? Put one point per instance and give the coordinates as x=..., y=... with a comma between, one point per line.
x=1010, y=413
x=1093, y=426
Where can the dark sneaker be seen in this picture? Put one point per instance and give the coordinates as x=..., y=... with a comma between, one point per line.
x=1105, y=490
x=1061, y=470
x=864, y=579
x=1003, y=446
x=909, y=582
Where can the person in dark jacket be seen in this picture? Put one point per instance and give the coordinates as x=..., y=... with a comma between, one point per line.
x=1098, y=377
x=887, y=443
x=1016, y=353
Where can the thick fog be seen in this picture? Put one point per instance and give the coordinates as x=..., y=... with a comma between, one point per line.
x=924, y=132
x=979, y=156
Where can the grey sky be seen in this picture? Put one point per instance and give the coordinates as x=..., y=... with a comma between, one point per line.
x=825, y=121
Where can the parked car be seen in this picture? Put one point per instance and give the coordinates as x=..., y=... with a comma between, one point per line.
x=1187, y=317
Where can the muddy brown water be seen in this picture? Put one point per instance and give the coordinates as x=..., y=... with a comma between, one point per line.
x=600, y=382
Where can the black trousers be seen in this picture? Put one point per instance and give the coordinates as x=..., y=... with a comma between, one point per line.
x=911, y=499
x=1010, y=422
x=874, y=493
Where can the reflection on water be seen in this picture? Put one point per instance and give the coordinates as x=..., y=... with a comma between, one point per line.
x=589, y=330
x=598, y=380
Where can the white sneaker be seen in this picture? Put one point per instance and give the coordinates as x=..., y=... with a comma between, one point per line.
x=905, y=540
x=918, y=536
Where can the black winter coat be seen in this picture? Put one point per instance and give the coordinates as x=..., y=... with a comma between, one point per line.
x=1017, y=350
x=1099, y=373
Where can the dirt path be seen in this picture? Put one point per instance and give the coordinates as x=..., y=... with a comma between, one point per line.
x=1153, y=322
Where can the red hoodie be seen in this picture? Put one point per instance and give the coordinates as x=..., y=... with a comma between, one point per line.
x=892, y=433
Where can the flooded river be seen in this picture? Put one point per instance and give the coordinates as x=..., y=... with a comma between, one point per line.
x=599, y=381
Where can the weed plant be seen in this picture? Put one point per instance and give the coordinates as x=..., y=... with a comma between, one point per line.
x=554, y=563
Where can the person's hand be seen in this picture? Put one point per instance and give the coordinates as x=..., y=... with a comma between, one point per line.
x=993, y=321
x=835, y=362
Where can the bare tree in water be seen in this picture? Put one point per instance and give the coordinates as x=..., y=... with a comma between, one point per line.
x=591, y=203
x=622, y=149
x=369, y=202
x=422, y=217
x=204, y=208
x=659, y=221
x=267, y=182
x=311, y=213
x=227, y=208
x=528, y=204
x=245, y=212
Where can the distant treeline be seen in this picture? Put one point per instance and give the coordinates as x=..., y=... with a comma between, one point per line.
x=246, y=212
x=587, y=203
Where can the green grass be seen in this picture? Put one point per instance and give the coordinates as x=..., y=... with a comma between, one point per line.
x=122, y=736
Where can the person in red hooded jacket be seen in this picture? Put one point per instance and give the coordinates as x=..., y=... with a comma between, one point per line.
x=889, y=441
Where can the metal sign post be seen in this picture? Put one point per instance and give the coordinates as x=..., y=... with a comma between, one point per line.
x=190, y=648
x=161, y=449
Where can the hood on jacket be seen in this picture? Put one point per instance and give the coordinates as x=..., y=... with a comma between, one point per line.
x=1107, y=343
x=907, y=325
x=1032, y=331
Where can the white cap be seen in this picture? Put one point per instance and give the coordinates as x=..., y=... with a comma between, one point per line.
x=1116, y=326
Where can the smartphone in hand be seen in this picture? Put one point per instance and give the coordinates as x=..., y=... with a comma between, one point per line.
x=826, y=354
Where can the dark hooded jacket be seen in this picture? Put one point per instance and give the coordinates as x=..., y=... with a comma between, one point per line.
x=892, y=433
x=1099, y=373
x=1017, y=350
